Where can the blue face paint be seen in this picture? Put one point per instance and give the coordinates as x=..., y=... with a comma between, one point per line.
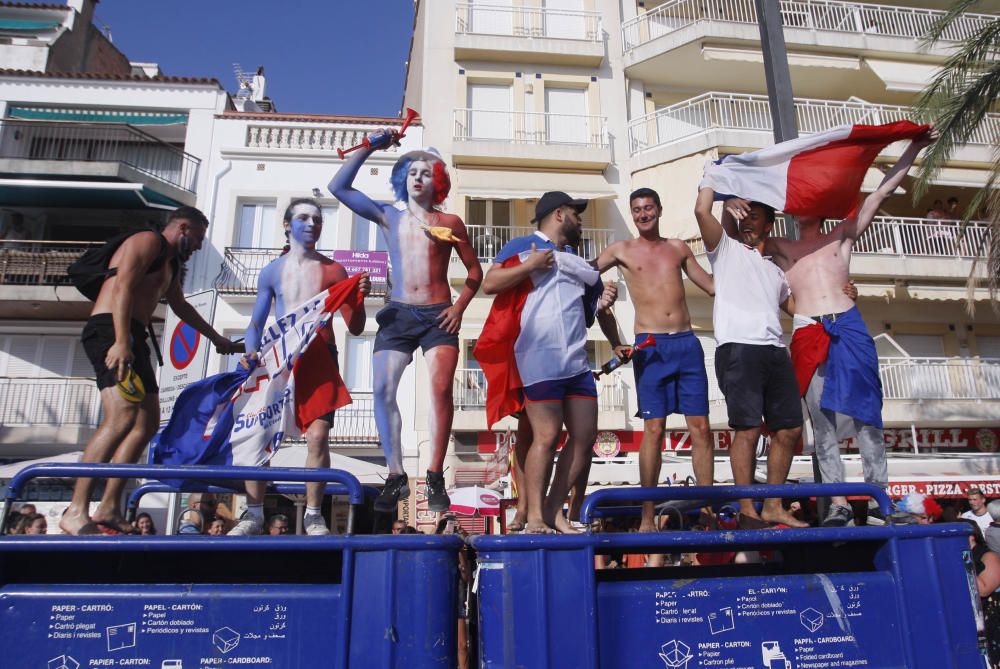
x=306, y=225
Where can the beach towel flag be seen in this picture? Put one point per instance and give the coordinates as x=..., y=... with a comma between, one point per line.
x=815, y=175
x=240, y=418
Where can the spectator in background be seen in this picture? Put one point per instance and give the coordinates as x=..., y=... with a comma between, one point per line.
x=217, y=527
x=921, y=509
x=987, y=565
x=205, y=503
x=31, y=523
x=14, y=231
x=399, y=527
x=277, y=525
x=937, y=210
x=144, y=524
x=192, y=522
x=27, y=509
x=977, y=509
x=954, y=211
x=992, y=533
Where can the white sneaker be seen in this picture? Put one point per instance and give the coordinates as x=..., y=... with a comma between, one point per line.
x=248, y=526
x=315, y=525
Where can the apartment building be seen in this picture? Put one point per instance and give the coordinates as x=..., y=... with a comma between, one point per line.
x=598, y=97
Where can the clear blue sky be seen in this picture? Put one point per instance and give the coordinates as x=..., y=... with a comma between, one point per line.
x=320, y=56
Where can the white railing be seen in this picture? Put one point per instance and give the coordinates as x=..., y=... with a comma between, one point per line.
x=28, y=402
x=905, y=237
x=317, y=138
x=736, y=111
x=488, y=240
x=817, y=15
x=477, y=19
x=940, y=378
x=517, y=127
x=470, y=391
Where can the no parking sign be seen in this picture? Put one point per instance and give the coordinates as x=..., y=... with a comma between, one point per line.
x=185, y=352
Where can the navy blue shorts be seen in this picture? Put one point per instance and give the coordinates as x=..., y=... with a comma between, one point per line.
x=670, y=377
x=758, y=381
x=404, y=327
x=581, y=385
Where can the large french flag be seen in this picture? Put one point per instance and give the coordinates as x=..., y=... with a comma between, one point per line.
x=241, y=417
x=815, y=175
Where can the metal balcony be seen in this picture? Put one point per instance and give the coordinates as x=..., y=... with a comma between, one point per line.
x=43, y=263
x=470, y=392
x=940, y=378
x=99, y=143
x=241, y=269
x=536, y=128
x=488, y=240
x=528, y=22
x=814, y=15
x=56, y=402
x=740, y=112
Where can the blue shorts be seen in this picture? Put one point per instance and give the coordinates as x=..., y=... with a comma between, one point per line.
x=404, y=327
x=670, y=377
x=581, y=385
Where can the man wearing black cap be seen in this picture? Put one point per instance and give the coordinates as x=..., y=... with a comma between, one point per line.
x=533, y=352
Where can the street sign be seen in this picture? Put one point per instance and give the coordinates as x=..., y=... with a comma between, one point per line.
x=186, y=358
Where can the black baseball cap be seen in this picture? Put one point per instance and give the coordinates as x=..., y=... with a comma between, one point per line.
x=554, y=199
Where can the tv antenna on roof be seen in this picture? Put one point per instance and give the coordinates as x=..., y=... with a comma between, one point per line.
x=244, y=80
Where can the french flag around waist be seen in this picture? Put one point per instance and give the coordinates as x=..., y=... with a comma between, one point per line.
x=815, y=175
x=240, y=417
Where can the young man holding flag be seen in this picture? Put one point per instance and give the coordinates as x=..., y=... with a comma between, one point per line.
x=293, y=278
x=834, y=356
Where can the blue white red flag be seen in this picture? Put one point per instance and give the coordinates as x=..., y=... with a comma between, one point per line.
x=241, y=417
x=816, y=175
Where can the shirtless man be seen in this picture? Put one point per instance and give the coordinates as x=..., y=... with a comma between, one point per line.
x=287, y=282
x=669, y=378
x=114, y=339
x=421, y=314
x=843, y=392
x=754, y=371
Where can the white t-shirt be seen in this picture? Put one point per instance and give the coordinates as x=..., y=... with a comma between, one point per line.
x=983, y=520
x=748, y=291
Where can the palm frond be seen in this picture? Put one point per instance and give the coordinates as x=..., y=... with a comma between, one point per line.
x=954, y=13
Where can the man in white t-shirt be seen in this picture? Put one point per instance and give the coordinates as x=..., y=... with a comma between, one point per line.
x=977, y=509
x=752, y=365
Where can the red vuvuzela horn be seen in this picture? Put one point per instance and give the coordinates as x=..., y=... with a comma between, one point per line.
x=392, y=136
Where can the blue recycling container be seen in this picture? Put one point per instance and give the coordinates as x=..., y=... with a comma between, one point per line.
x=183, y=602
x=899, y=596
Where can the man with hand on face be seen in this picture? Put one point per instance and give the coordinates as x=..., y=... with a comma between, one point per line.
x=420, y=314
x=752, y=365
x=670, y=377
x=296, y=276
x=147, y=267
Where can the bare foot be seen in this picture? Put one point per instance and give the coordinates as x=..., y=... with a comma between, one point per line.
x=74, y=523
x=749, y=521
x=517, y=522
x=532, y=527
x=563, y=526
x=114, y=521
x=781, y=516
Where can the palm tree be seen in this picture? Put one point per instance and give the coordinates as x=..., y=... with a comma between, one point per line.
x=958, y=99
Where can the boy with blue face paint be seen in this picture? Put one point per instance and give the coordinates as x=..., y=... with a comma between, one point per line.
x=421, y=313
x=299, y=274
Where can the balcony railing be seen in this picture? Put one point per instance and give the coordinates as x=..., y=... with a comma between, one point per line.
x=26, y=402
x=488, y=240
x=819, y=15
x=241, y=269
x=355, y=423
x=99, y=142
x=470, y=391
x=510, y=21
x=735, y=111
x=940, y=378
x=515, y=127
x=297, y=138
x=29, y=263
x=905, y=237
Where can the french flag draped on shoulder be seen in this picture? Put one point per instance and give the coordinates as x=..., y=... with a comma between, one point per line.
x=815, y=175
x=240, y=417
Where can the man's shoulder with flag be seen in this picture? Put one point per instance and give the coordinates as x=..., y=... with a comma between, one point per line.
x=519, y=245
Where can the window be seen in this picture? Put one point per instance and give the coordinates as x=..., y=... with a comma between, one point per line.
x=490, y=114
x=258, y=227
x=566, y=116
x=358, y=363
x=470, y=359
x=328, y=238
x=366, y=236
x=564, y=25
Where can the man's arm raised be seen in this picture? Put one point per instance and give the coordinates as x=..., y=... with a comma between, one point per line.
x=854, y=228
x=711, y=229
x=342, y=187
x=499, y=279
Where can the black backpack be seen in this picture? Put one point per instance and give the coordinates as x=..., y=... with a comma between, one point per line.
x=90, y=270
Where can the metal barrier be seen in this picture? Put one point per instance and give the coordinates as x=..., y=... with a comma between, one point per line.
x=15, y=488
x=132, y=505
x=825, y=597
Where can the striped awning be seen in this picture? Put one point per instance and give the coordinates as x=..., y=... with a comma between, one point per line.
x=15, y=25
x=96, y=115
